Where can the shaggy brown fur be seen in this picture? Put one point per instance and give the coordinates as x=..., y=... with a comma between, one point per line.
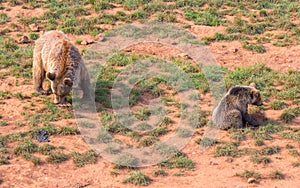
x=232, y=111
x=56, y=58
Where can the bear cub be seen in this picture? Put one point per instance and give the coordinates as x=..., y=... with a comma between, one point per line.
x=232, y=111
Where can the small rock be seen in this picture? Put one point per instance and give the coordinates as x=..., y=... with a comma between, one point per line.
x=23, y=40
x=100, y=38
x=184, y=56
x=233, y=49
x=251, y=180
x=90, y=41
x=34, y=27
x=213, y=163
x=84, y=42
x=87, y=41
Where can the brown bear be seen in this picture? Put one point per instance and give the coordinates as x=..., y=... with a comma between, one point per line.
x=56, y=58
x=232, y=111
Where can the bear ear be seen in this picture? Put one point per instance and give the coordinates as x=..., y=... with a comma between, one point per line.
x=68, y=82
x=254, y=94
x=51, y=76
x=252, y=85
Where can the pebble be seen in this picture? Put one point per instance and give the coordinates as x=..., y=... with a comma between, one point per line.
x=251, y=180
x=86, y=42
x=233, y=49
x=184, y=56
x=23, y=40
x=34, y=27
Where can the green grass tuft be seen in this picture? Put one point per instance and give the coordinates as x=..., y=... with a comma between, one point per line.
x=276, y=175
x=290, y=114
x=126, y=160
x=67, y=131
x=57, y=157
x=249, y=174
x=259, y=159
x=254, y=47
x=46, y=149
x=138, y=178
x=206, y=142
x=3, y=123
x=270, y=150
x=230, y=150
x=33, y=36
x=148, y=141
x=178, y=161
x=278, y=105
x=3, y=160
x=81, y=159
x=159, y=172
x=25, y=147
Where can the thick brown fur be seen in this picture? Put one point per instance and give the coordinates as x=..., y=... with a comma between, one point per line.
x=56, y=58
x=232, y=111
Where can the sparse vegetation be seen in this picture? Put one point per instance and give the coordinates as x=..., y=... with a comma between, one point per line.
x=26, y=147
x=138, y=178
x=57, y=157
x=148, y=141
x=249, y=174
x=259, y=159
x=230, y=150
x=206, y=142
x=278, y=105
x=254, y=47
x=258, y=27
x=3, y=160
x=126, y=160
x=178, y=161
x=81, y=159
x=159, y=172
x=179, y=174
x=4, y=18
x=33, y=36
x=67, y=131
x=3, y=123
x=289, y=114
x=276, y=175
x=46, y=149
x=270, y=150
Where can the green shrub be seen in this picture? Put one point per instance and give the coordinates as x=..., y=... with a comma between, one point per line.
x=290, y=114
x=278, y=105
x=33, y=36
x=4, y=18
x=81, y=159
x=138, y=178
x=249, y=174
x=276, y=175
x=57, y=157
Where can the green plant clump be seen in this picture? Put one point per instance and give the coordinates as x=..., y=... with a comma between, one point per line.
x=138, y=178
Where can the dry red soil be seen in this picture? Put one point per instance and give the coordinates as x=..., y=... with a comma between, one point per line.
x=209, y=171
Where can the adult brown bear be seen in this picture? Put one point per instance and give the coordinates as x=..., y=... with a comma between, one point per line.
x=56, y=58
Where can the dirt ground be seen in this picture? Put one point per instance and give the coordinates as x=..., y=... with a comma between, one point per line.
x=209, y=171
